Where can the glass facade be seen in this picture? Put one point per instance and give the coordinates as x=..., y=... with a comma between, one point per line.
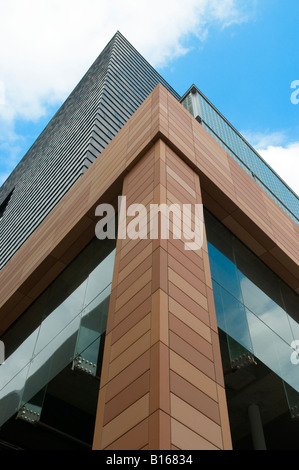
x=64, y=327
x=221, y=130
x=253, y=306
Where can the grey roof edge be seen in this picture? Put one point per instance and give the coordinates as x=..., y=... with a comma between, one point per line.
x=240, y=135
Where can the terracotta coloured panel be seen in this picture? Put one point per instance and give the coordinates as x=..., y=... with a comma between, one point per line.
x=192, y=395
x=126, y=283
x=128, y=375
x=159, y=431
x=190, y=320
x=176, y=178
x=125, y=421
x=189, y=276
x=184, y=300
x=132, y=319
x=186, y=439
x=129, y=355
x=138, y=330
x=159, y=388
x=136, y=287
x=191, y=337
x=225, y=426
x=178, y=195
x=160, y=318
x=132, y=304
x=178, y=166
x=193, y=293
x=192, y=355
x=137, y=435
x=199, y=423
x=135, y=250
x=159, y=279
x=193, y=375
x=127, y=397
x=193, y=263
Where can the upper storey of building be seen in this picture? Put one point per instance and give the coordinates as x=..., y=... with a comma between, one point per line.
x=110, y=92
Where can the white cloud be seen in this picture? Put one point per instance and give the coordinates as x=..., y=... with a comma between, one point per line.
x=262, y=140
x=281, y=154
x=285, y=161
x=47, y=45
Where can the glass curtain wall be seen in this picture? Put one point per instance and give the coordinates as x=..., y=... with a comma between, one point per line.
x=65, y=325
x=253, y=306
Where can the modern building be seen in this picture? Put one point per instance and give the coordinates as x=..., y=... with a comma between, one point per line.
x=127, y=344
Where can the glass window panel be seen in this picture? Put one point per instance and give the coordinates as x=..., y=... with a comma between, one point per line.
x=235, y=349
x=18, y=360
x=261, y=291
x=55, y=356
x=271, y=306
x=93, y=324
x=257, y=272
x=32, y=409
x=10, y=395
x=231, y=316
x=99, y=278
x=219, y=236
x=291, y=301
x=224, y=272
x=218, y=306
x=272, y=350
x=221, y=256
x=293, y=400
x=60, y=317
x=26, y=326
x=43, y=342
x=266, y=309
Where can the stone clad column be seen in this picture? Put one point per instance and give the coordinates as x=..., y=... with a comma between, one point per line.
x=162, y=382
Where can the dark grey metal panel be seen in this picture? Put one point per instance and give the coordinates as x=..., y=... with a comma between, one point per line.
x=106, y=97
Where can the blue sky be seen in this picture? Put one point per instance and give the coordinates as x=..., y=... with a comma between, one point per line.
x=242, y=54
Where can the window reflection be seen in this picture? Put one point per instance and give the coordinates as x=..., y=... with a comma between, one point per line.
x=225, y=272
x=272, y=350
x=265, y=308
x=57, y=327
x=231, y=316
x=252, y=304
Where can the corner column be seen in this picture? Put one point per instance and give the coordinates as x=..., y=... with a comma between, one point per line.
x=162, y=381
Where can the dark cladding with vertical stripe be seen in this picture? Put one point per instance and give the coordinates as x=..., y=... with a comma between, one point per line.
x=110, y=92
